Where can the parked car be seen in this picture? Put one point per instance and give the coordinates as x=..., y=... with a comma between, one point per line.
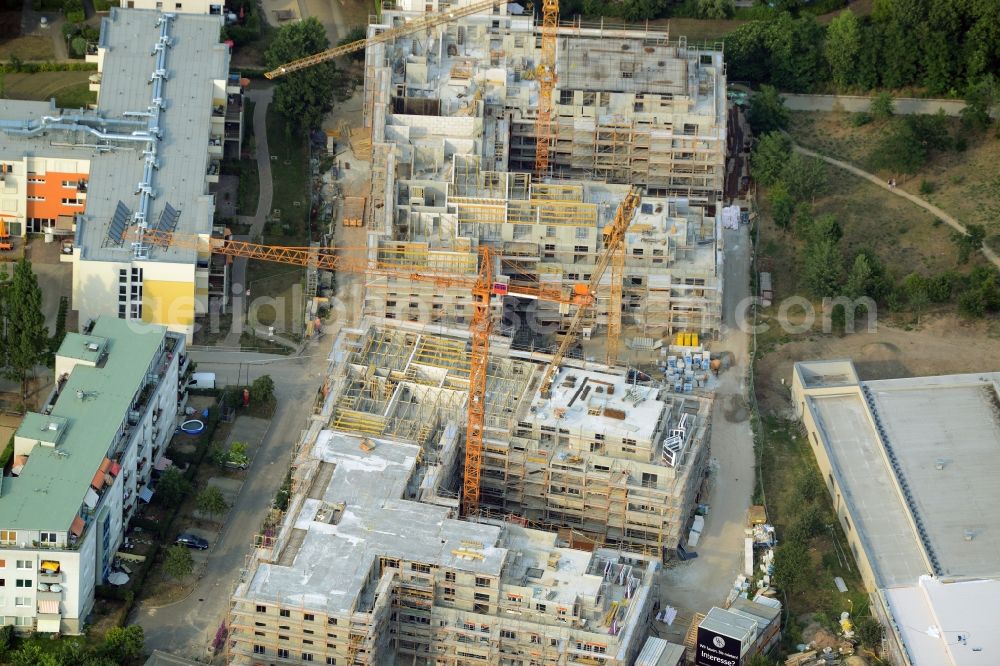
x=236, y=464
x=191, y=541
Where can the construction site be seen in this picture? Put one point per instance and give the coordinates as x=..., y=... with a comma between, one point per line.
x=558, y=570
x=513, y=433
x=458, y=133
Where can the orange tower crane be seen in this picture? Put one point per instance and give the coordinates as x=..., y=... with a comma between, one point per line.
x=483, y=287
x=546, y=85
x=414, y=25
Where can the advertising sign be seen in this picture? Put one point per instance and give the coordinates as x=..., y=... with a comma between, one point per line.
x=714, y=649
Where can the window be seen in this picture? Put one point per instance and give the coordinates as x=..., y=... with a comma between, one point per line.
x=24, y=564
x=178, y=5
x=282, y=653
x=259, y=624
x=847, y=523
x=420, y=568
x=34, y=197
x=479, y=596
x=580, y=248
x=507, y=633
x=582, y=232
x=540, y=608
x=305, y=642
x=550, y=232
x=69, y=183
x=449, y=576
x=72, y=201
x=25, y=582
x=284, y=612
x=648, y=480
x=449, y=591
x=259, y=649
x=282, y=638
x=22, y=601
x=331, y=620
x=331, y=660
x=8, y=536
x=482, y=582
x=47, y=537
x=480, y=608
x=3, y=582
x=308, y=631
x=308, y=617
x=259, y=633
x=261, y=609
x=565, y=96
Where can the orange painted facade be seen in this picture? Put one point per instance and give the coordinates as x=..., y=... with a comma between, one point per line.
x=51, y=188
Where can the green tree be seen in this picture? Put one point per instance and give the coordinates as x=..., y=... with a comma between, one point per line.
x=823, y=228
x=791, y=565
x=124, y=642
x=843, y=43
x=770, y=154
x=980, y=98
x=262, y=389
x=211, y=502
x=305, y=96
x=178, y=562
x=805, y=177
x=900, y=150
x=918, y=301
x=968, y=242
x=355, y=34
x=867, y=277
x=6, y=638
x=172, y=487
x=767, y=111
x=782, y=204
x=60, y=332
x=882, y=106
x=824, y=268
x=869, y=631
x=27, y=338
x=31, y=654
x=715, y=9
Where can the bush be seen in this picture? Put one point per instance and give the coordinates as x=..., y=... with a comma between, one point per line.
x=882, y=106
x=262, y=389
x=926, y=186
x=861, y=118
x=78, y=47
x=355, y=34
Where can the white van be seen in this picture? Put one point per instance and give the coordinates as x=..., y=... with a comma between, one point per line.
x=202, y=380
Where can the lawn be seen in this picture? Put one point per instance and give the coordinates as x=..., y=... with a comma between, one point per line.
x=276, y=298
x=700, y=30
x=904, y=236
x=965, y=184
x=28, y=48
x=288, y=223
x=786, y=459
x=71, y=89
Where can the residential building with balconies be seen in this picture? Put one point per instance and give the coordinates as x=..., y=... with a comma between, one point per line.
x=81, y=466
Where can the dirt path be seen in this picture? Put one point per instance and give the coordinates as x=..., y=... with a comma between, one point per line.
x=931, y=208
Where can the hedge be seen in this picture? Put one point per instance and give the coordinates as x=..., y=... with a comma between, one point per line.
x=8, y=453
x=35, y=67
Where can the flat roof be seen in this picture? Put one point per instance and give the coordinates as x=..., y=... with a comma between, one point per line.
x=948, y=623
x=82, y=347
x=591, y=401
x=951, y=422
x=868, y=486
x=375, y=522
x=195, y=59
x=826, y=374
x=917, y=461
x=50, y=490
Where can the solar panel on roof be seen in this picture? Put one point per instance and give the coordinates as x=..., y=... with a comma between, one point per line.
x=167, y=222
x=119, y=224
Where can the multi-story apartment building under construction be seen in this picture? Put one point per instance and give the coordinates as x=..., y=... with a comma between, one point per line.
x=370, y=564
x=452, y=115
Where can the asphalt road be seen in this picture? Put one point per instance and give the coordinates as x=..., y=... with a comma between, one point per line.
x=699, y=584
x=187, y=628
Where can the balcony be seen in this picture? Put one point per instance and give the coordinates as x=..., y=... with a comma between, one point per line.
x=212, y=173
x=234, y=108
x=215, y=146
